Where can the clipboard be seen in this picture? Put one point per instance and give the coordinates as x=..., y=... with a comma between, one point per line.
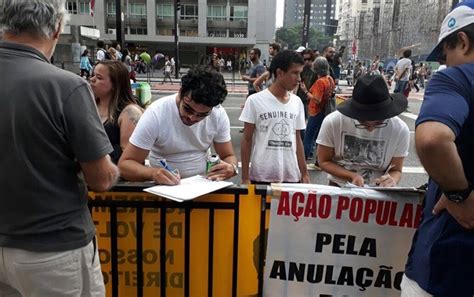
x=189, y=188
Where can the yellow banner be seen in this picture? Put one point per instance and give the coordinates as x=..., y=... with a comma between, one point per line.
x=249, y=222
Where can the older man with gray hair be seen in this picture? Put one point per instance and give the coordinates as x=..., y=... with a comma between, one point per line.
x=318, y=96
x=53, y=144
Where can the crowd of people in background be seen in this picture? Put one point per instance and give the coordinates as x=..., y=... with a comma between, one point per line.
x=66, y=135
x=136, y=62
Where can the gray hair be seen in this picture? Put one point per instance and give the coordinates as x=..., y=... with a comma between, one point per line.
x=321, y=66
x=37, y=17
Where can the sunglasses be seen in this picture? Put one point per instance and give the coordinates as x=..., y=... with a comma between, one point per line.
x=189, y=110
x=308, y=59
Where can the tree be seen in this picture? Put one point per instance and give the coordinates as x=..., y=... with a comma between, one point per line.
x=291, y=37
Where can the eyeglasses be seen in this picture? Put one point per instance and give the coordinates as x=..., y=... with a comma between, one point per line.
x=189, y=110
x=308, y=59
x=375, y=125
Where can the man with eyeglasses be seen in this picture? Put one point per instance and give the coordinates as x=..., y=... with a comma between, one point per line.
x=364, y=142
x=441, y=259
x=178, y=132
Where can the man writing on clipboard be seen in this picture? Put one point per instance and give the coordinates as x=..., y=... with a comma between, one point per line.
x=178, y=131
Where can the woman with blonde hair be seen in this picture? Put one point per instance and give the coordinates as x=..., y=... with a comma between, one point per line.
x=113, y=53
x=118, y=109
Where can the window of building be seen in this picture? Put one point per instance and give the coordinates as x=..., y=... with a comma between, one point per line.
x=110, y=9
x=84, y=7
x=216, y=33
x=71, y=7
x=216, y=12
x=237, y=34
x=238, y=13
x=188, y=32
x=189, y=12
x=138, y=31
x=137, y=10
x=164, y=31
x=164, y=11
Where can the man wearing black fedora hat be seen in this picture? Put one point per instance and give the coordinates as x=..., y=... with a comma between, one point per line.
x=364, y=142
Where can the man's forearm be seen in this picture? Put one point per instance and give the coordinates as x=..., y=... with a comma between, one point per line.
x=300, y=154
x=230, y=159
x=134, y=171
x=245, y=149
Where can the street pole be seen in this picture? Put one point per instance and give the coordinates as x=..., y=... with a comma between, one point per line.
x=306, y=21
x=118, y=23
x=177, y=7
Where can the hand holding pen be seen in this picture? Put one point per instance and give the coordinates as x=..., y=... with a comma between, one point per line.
x=166, y=175
x=386, y=180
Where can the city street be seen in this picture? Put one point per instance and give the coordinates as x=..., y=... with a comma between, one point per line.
x=413, y=173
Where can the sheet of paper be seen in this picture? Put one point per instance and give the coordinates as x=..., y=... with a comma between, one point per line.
x=189, y=188
x=388, y=189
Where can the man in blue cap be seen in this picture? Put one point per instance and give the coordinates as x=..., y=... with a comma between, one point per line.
x=441, y=259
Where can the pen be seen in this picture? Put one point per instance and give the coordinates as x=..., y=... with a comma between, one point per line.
x=388, y=168
x=168, y=168
x=386, y=172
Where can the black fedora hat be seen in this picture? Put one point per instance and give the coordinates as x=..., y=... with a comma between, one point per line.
x=371, y=100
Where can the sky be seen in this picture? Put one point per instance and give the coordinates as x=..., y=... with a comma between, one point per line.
x=279, y=13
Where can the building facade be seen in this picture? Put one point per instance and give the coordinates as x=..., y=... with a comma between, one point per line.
x=386, y=27
x=226, y=27
x=322, y=13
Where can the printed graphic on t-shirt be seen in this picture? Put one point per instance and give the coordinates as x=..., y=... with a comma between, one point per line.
x=281, y=132
x=279, y=125
x=362, y=155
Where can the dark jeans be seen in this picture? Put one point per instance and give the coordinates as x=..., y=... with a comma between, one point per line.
x=312, y=131
x=87, y=72
x=251, y=92
x=400, y=86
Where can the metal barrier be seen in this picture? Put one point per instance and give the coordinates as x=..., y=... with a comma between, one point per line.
x=163, y=205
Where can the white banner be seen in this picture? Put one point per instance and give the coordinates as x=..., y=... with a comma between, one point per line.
x=329, y=241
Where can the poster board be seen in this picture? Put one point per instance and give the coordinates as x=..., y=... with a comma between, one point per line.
x=330, y=241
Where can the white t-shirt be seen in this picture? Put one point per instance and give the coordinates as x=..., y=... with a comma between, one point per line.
x=167, y=66
x=185, y=148
x=358, y=150
x=273, y=154
x=402, y=64
x=100, y=54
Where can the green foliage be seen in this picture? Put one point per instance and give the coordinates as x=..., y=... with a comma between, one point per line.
x=291, y=37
